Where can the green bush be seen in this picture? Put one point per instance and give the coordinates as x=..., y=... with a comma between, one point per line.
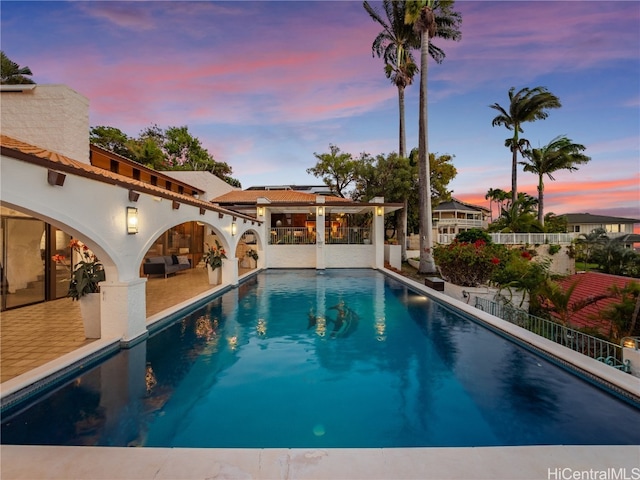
x=553, y=249
x=473, y=235
x=469, y=264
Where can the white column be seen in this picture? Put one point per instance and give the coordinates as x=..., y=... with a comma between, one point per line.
x=321, y=213
x=378, y=234
x=123, y=309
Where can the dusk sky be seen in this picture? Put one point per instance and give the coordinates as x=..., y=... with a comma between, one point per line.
x=265, y=85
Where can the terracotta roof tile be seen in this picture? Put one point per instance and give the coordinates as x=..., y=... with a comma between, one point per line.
x=590, y=285
x=49, y=159
x=274, y=196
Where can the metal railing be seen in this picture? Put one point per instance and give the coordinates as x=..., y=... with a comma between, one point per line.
x=333, y=235
x=602, y=350
x=292, y=236
x=347, y=235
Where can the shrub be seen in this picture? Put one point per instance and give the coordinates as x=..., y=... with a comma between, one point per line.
x=469, y=264
x=471, y=236
x=553, y=249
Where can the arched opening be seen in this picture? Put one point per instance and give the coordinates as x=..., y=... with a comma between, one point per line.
x=248, y=252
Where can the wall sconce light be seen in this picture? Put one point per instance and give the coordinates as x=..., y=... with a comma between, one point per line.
x=379, y=211
x=234, y=229
x=320, y=211
x=202, y=210
x=133, y=196
x=261, y=211
x=220, y=215
x=55, y=178
x=175, y=205
x=132, y=220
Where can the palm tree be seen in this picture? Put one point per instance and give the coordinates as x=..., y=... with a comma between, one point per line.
x=11, y=73
x=518, y=217
x=526, y=105
x=491, y=196
x=559, y=154
x=394, y=45
x=430, y=18
x=590, y=242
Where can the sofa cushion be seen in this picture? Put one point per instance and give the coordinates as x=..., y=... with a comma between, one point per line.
x=183, y=260
x=155, y=260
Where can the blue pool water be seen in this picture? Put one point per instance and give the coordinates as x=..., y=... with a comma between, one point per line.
x=346, y=358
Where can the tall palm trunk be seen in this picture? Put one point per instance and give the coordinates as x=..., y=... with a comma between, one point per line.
x=541, y=200
x=427, y=265
x=514, y=167
x=402, y=152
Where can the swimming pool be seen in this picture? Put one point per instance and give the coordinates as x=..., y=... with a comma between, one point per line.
x=347, y=358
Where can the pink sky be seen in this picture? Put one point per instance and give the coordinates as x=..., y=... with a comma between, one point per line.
x=265, y=85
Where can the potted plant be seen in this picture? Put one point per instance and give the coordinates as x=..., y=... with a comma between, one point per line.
x=253, y=254
x=212, y=258
x=86, y=276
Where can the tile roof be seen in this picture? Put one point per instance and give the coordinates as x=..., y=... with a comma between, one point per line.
x=274, y=196
x=20, y=150
x=595, y=219
x=455, y=204
x=590, y=285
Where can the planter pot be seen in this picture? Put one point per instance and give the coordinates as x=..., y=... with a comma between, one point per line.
x=215, y=276
x=90, y=311
x=252, y=263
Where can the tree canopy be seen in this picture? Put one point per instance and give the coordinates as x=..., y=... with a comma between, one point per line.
x=173, y=148
x=13, y=74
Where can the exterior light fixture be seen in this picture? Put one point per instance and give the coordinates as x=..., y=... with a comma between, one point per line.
x=379, y=211
x=55, y=178
x=631, y=342
x=202, y=211
x=320, y=211
x=175, y=205
x=234, y=228
x=132, y=220
x=261, y=211
x=133, y=196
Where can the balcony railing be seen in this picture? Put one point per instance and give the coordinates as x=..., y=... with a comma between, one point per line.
x=333, y=235
x=461, y=222
x=348, y=235
x=292, y=236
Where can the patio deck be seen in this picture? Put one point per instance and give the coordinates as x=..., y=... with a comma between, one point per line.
x=34, y=335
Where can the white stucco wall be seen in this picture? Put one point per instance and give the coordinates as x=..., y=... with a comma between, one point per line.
x=206, y=181
x=53, y=117
x=350, y=256
x=291, y=256
x=561, y=263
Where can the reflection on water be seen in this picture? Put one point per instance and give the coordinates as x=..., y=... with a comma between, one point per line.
x=345, y=359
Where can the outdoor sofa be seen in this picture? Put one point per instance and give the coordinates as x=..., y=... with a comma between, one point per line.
x=166, y=265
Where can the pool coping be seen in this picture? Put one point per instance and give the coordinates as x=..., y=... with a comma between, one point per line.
x=497, y=463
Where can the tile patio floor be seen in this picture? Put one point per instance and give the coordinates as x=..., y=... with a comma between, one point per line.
x=34, y=335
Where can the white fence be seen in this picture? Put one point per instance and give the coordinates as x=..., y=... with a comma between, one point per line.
x=527, y=238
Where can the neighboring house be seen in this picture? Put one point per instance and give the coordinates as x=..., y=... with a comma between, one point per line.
x=455, y=216
x=591, y=285
x=616, y=227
